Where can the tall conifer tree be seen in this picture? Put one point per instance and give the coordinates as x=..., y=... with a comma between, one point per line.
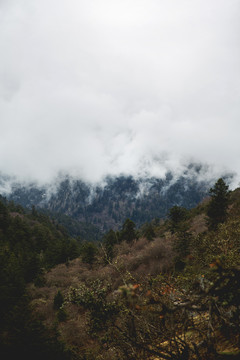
x=217, y=208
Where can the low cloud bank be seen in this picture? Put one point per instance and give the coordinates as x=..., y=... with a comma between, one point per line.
x=93, y=88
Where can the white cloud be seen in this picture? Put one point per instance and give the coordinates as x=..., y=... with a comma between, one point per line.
x=107, y=86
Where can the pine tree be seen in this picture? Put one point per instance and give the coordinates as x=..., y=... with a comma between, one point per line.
x=128, y=232
x=58, y=300
x=88, y=252
x=176, y=215
x=109, y=240
x=217, y=208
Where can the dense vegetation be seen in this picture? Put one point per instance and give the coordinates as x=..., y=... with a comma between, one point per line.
x=89, y=210
x=166, y=290
x=30, y=244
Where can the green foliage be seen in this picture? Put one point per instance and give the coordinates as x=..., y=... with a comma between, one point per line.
x=77, y=229
x=223, y=244
x=217, y=208
x=109, y=240
x=88, y=252
x=148, y=231
x=12, y=282
x=178, y=225
x=182, y=245
x=164, y=317
x=29, y=243
x=4, y=217
x=62, y=315
x=58, y=300
x=177, y=214
x=27, y=338
x=95, y=299
x=128, y=232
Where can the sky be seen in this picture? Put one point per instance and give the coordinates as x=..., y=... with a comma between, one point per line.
x=97, y=87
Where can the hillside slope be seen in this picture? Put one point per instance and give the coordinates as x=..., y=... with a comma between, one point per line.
x=175, y=296
x=30, y=244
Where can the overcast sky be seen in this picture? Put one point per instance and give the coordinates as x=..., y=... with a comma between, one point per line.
x=95, y=87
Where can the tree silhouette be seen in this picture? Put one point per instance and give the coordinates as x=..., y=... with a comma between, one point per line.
x=128, y=232
x=217, y=208
x=176, y=215
x=109, y=240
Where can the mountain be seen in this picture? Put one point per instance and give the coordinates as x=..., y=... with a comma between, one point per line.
x=101, y=207
x=138, y=296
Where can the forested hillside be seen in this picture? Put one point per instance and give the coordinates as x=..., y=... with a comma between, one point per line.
x=30, y=245
x=88, y=210
x=166, y=290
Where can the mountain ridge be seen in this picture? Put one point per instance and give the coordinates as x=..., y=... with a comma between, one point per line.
x=106, y=205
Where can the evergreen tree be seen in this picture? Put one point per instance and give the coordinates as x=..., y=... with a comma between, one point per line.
x=148, y=231
x=181, y=245
x=177, y=214
x=88, y=252
x=217, y=208
x=128, y=232
x=4, y=217
x=58, y=300
x=109, y=240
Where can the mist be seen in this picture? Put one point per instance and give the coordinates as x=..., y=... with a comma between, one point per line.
x=95, y=88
